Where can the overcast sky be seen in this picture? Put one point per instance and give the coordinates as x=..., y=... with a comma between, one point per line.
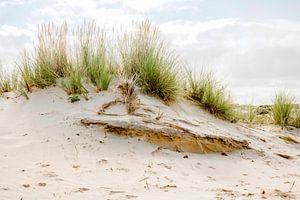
x=252, y=45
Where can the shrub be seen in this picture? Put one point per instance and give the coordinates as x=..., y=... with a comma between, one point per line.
x=282, y=108
x=210, y=95
x=145, y=56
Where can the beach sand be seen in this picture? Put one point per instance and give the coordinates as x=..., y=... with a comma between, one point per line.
x=46, y=153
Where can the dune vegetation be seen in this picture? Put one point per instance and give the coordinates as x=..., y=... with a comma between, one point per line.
x=73, y=59
x=210, y=95
x=145, y=56
x=6, y=82
x=282, y=109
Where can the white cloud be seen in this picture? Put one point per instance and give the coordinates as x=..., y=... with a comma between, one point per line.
x=14, y=31
x=11, y=2
x=77, y=10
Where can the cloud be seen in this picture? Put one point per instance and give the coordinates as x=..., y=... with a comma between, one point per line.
x=251, y=54
x=11, y=2
x=105, y=13
x=13, y=41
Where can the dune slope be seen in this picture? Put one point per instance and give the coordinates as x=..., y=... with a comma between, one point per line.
x=47, y=153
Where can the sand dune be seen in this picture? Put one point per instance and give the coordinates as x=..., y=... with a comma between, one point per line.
x=46, y=153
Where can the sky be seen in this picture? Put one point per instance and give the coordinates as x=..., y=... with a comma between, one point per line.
x=253, y=46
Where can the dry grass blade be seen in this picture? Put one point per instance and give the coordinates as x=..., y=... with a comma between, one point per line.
x=129, y=95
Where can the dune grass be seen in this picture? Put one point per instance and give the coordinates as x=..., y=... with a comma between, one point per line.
x=91, y=55
x=206, y=91
x=50, y=58
x=73, y=83
x=145, y=56
x=296, y=119
x=6, y=82
x=26, y=73
x=51, y=51
x=283, y=106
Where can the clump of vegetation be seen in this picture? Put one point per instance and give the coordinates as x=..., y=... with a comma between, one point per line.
x=92, y=55
x=145, y=56
x=6, y=82
x=26, y=72
x=282, y=108
x=51, y=51
x=74, y=83
x=251, y=114
x=73, y=98
x=210, y=95
x=50, y=60
x=296, y=120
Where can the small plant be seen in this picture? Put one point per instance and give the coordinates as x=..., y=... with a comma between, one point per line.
x=297, y=119
x=73, y=98
x=282, y=108
x=210, y=95
x=73, y=84
x=145, y=56
x=26, y=72
x=216, y=101
x=51, y=51
x=6, y=84
x=91, y=55
x=251, y=114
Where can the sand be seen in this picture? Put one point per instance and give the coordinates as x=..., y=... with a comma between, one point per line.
x=46, y=153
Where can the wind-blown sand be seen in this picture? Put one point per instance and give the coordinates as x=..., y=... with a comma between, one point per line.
x=46, y=153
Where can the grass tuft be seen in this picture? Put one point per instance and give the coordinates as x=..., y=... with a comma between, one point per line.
x=6, y=82
x=73, y=85
x=296, y=121
x=51, y=51
x=145, y=56
x=210, y=95
x=91, y=55
x=282, y=108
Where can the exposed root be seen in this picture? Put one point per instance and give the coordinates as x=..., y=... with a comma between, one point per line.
x=129, y=98
x=107, y=105
x=167, y=135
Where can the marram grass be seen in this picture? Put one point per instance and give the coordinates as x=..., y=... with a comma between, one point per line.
x=145, y=56
x=206, y=91
x=73, y=83
x=92, y=55
x=283, y=106
x=6, y=82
